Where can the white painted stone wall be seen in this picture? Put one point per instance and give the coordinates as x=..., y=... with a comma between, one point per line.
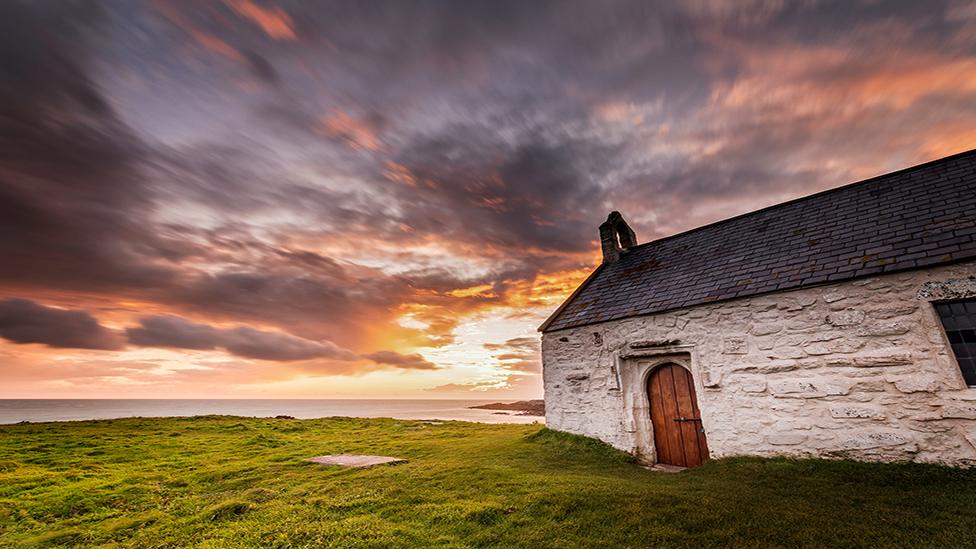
x=859, y=369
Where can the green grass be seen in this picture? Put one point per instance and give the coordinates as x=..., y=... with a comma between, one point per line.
x=232, y=482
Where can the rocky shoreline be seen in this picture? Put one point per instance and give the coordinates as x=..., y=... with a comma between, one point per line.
x=522, y=407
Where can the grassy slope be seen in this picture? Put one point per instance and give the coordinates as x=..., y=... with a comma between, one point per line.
x=222, y=482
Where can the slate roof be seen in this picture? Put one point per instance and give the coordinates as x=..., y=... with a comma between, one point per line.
x=909, y=219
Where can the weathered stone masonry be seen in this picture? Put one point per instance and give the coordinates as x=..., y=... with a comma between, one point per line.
x=856, y=369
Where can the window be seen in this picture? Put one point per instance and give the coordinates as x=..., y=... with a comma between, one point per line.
x=959, y=321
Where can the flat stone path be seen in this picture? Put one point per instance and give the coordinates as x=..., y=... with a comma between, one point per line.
x=354, y=460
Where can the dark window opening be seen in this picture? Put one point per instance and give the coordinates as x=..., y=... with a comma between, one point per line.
x=959, y=321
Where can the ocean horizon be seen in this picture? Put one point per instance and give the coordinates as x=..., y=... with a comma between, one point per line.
x=45, y=410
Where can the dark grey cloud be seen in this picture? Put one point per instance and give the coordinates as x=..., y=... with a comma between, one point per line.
x=482, y=55
x=525, y=196
x=244, y=341
x=262, y=69
x=521, y=354
x=173, y=331
x=251, y=343
x=23, y=321
x=412, y=361
x=308, y=303
x=72, y=203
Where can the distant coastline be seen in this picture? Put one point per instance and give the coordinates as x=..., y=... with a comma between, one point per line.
x=523, y=407
x=42, y=410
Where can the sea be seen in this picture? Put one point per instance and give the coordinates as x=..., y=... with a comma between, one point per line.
x=39, y=410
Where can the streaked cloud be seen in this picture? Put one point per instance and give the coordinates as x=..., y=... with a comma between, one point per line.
x=272, y=20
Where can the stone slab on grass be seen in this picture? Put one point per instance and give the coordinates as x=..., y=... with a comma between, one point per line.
x=354, y=460
x=665, y=468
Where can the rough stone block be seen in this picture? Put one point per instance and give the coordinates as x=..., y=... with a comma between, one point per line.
x=781, y=352
x=765, y=328
x=764, y=343
x=892, y=310
x=849, y=302
x=854, y=412
x=834, y=295
x=970, y=435
x=767, y=316
x=712, y=378
x=847, y=317
x=794, y=388
x=881, y=360
x=806, y=299
x=875, y=385
x=834, y=346
x=790, y=305
x=786, y=439
x=882, y=330
x=768, y=366
x=863, y=441
x=803, y=324
x=753, y=386
x=929, y=426
x=956, y=411
x=916, y=384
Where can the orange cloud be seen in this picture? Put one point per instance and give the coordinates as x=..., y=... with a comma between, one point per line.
x=481, y=290
x=273, y=21
x=795, y=81
x=205, y=39
x=399, y=173
x=949, y=139
x=216, y=45
x=358, y=133
x=840, y=79
x=546, y=289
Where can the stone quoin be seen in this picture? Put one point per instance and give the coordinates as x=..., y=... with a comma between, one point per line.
x=836, y=325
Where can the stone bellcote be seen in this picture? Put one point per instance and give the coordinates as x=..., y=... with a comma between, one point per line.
x=615, y=236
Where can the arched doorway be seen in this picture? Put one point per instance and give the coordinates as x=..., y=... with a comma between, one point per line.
x=678, y=435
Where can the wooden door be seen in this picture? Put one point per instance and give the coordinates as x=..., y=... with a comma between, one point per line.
x=678, y=435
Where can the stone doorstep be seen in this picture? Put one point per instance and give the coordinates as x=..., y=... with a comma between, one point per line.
x=354, y=460
x=664, y=468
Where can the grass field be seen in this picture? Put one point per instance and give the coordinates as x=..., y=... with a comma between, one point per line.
x=230, y=482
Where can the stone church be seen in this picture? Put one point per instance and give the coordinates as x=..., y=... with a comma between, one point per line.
x=841, y=324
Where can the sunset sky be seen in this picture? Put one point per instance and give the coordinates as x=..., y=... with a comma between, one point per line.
x=385, y=199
